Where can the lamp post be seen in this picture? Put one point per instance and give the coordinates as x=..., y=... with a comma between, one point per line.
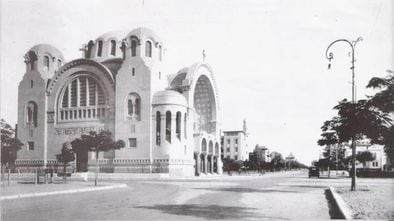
x=330, y=56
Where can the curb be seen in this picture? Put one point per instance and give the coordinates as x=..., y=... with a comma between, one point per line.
x=29, y=195
x=343, y=208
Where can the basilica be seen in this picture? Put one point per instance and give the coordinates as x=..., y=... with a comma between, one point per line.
x=169, y=123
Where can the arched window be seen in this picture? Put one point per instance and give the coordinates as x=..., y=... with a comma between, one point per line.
x=168, y=126
x=46, y=62
x=185, y=126
x=99, y=48
x=178, y=124
x=158, y=128
x=160, y=53
x=31, y=114
x=59, y=63
x=216, y=148
x=113, y=47
x=83, y=98
x=133, y=48
x=148, y=49
x=89, y=49
x=210, y=147
x=32, y=60
x=204, y=145
x=133, y=106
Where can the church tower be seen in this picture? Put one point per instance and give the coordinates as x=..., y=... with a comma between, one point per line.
x=138, y=78
x=42, y=61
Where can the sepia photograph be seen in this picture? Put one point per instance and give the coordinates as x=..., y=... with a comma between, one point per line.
x=196, y=110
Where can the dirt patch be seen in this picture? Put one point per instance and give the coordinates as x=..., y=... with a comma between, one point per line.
x=369, y=202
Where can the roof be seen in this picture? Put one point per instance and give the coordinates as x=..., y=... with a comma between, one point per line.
x=169, y=97
x=118, y=35
x=146, y=32
x=47, y=48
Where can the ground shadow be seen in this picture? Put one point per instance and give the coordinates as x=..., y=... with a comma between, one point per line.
x=211, y=212
x=333, y=209
x=308, y=186
x=248, y=190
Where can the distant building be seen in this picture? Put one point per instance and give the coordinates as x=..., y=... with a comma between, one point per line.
x=235, y=145
x=289, y=160
x=260, y=152
x=377, y=151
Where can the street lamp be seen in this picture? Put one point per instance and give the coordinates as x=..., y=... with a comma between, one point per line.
x=330, y=56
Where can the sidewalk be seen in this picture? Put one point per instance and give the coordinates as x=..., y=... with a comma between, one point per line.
x=25, y=190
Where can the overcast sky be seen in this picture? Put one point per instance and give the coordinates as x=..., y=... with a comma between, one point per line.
x=268, y=56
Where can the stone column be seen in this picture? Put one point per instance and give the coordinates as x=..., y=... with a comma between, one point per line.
x=198, y=164
x=205, y=163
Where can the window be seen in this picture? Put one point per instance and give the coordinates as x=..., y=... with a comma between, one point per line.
x=82, y=98
x=133, y=72
x=159, y=75
x=216, y=148
x=236, y=141
x=46, y=62
x=185, y=126
x=148, y=49
x=228, y=149
x=59, y=63
x=178, y=125
x=160, y=53
x=31, y=112
x=228, y=141
x=133, y=106
x=132, y=142
x=158, y=128
x=204, y=145
x=99, y=48
x=30, y=145
x=235, y=157
x=89, y=49
x=113, y=47
x=168, y=126
x=133, y=48
x=132, y=128
x=236, y=149
x=32, y=60
x=31, y=83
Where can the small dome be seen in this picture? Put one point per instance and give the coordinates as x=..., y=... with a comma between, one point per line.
x=168, y=97
x=47, y=49
x=144, y=33
x=118, y=35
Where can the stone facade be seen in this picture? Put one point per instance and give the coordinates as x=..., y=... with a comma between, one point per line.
x=169, y=124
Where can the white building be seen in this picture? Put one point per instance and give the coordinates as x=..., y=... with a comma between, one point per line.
x=235, y=144
x=376, y=150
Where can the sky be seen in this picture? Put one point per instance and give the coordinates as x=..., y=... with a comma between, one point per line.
x=268, y=57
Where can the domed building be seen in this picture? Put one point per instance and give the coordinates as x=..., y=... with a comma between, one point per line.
x=169, y=123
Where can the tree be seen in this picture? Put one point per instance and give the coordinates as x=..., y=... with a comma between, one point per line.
x=277, y=161
x=384, y=101
x=97, y=142
x=354, y=121
x=364, y=157
x=66, y=156
x=9, y=144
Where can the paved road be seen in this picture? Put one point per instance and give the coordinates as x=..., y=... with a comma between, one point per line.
x=280, y=196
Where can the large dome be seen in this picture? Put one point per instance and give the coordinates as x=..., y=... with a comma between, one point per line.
x=117, y=35
x=144, y=33
x=168, y=97
x=41, y=49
